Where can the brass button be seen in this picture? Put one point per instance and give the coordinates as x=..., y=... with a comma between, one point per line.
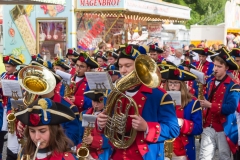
x=155, y=139
x=143, y=98
x=145, y=148
x=139, y=106
x=137, y=151
x=157, y=132
x=142, y=140
x=66, y=155
x=157, y=126
x=83, y=89
x=100, y=140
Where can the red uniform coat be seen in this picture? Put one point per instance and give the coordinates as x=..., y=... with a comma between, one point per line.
x=72, y=71
x=81, y=101
x=207, y=69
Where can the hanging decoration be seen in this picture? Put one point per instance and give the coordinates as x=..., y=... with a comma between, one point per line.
x=11, y=33
x=29, y=9
x=52, y=10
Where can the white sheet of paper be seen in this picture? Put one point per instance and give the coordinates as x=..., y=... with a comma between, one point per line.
x=200, y=75
x=176, y=96
x=98, y=80
x=17, y=104
x=10, y=86
x=89, y=120
x=66, y=77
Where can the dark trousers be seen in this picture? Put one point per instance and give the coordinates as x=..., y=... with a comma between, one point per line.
x=11, y=155
x=236, y=156
x=2, y=135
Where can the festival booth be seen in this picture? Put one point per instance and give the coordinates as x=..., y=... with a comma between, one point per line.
x=124, y=21
x=232, y=23
x=32, y=29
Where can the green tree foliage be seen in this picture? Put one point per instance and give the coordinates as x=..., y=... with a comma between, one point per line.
x=204, y=12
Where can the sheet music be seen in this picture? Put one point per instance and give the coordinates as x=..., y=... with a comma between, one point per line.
x=66, y=77
x=98, y=80
x=89, y=119
x=200, y=75
x=11, y=87
x=176, y=96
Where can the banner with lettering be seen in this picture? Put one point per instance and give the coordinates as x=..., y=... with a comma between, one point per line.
x=90, y=32
x=109, y=4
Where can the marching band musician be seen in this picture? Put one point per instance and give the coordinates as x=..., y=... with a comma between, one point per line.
x=112, y=57
x=98, y=144
x=10, y=63
x=203, y=66
x=59, y=64
x=101, y=59
x=113, y=71
x=220, y=126
x=235, y=53
x=43, y=133
x=163, y=67
x=189, y=114
x=71, y=128
x=84, y=64
x=72, y=54
x=187, y=65
x=154, y=52
x=156, y=122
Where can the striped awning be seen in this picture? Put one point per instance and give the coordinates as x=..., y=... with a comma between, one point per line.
x=62, y=2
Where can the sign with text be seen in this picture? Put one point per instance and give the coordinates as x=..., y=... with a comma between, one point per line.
x=86, y=41
x=162, y=9
x=109, y=4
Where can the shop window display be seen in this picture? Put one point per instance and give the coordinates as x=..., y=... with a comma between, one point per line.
x=51, y=38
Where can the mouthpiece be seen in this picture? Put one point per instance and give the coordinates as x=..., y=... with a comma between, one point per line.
x=35, y=154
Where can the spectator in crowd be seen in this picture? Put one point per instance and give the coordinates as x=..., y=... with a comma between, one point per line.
x=179, y=57
x=167, y=54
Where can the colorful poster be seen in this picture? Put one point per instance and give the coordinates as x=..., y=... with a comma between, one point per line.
x=20, y=28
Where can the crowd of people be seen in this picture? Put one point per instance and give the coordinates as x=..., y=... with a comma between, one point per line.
x=56, y=124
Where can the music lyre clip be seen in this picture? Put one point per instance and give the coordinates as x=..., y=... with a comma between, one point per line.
x=15, y=95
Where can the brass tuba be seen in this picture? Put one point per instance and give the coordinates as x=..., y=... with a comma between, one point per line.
x=146, y=72
x=35, y=80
